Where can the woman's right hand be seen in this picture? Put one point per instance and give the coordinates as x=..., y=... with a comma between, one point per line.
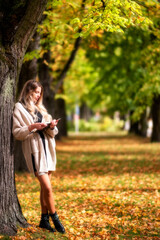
x=38, y=126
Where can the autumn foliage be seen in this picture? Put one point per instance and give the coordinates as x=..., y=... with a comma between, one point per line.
x=106, y=187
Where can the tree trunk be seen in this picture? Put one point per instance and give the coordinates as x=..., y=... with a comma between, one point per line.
x=19, y=160
x=140, y=127
x=134, y=128
x=60, y=112
x=13, y=44
x=10, y=210
x=29, y=71
x=85, y=112
x=156, y=120
x=143, y=125
x=55, y=107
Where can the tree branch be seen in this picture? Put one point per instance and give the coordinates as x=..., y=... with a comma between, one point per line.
x=142, y=3
x=71, y=58
x=103, y=4
x=28, y=25
x=68, y=64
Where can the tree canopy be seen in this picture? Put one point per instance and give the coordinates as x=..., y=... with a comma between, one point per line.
x=127, y=66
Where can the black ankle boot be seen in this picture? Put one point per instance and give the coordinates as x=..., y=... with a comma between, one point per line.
x=44, y=223
x=58, y=225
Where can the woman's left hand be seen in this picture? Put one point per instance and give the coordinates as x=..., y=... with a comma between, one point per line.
x=53, y=123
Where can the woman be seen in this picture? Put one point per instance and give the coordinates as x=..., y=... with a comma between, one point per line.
x=36, y=129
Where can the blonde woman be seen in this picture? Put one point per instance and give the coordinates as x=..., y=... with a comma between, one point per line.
x=35, y=128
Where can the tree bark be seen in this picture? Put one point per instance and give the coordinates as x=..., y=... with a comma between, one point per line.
x=139, y=127
x=29, y=71
x=10, y=210
x=143, y=125
x=60, y=112
x=134, y=126
x=156, y=120
x=85, y=112
x=12, y=50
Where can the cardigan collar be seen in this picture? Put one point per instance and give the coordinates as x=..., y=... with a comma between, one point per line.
x=25, y=111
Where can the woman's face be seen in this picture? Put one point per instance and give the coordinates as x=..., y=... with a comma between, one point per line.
x=36, y=94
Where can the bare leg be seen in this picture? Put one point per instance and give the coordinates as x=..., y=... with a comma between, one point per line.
x=44, y=208
x=50, y=174
x=47, y=204
x=46, y=196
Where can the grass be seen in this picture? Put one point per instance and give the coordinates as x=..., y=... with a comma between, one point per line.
x=105, y=187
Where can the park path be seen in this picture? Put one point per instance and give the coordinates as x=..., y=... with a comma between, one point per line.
x=107, y=154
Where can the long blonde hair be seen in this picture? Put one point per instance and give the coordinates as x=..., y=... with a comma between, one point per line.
x=27, y=101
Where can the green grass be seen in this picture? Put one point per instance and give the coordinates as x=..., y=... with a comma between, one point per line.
x=105, y=187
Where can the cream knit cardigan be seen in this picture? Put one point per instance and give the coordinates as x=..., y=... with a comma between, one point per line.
x=32, y=142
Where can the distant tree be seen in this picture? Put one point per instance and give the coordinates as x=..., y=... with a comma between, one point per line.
x=120, y=70
x=128, y=67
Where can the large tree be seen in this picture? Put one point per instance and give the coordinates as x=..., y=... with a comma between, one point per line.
x=18, y=21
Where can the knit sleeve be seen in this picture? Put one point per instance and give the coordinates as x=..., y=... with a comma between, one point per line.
x=20, y=129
